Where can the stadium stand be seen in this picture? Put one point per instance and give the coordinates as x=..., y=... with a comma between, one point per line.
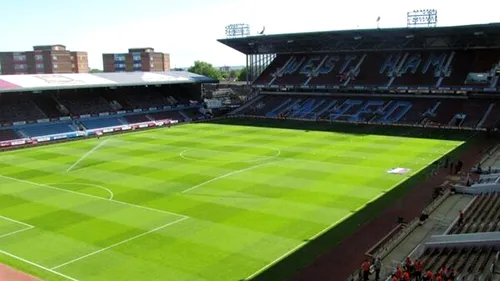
x=103, y=123
x=469, y=263
x=483, y=216
x=131, y=119
x=147, y=99
x=459, y=113
x=48, y=105
x=84, y=103
x=8, y=134
x=45, y=130
x=176, y=115
x=75, y=103
x=18, y=108
x=391, y=69
x=401, y=77
x=395, y=76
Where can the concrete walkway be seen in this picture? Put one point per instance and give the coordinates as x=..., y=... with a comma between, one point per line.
x=437, y=224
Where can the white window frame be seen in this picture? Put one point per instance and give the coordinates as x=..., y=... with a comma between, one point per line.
x=19, y=58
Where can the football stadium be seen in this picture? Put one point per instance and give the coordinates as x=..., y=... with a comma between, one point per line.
x=362, y=154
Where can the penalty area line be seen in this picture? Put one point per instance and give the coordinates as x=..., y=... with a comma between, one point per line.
x=16, y=232
x=26, y=227
x=87, y=154
x=119, y=243
x=37, y=265
x=90, y=196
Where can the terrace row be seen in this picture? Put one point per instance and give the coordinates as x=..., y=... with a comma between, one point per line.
x=483, y=215
x=417, y=111
x=388, y=69
x=29, y=106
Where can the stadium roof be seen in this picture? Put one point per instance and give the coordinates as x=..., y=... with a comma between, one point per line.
x=467, y=36
x=42, y=82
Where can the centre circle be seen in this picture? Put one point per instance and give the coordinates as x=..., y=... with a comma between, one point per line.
x=229, y=154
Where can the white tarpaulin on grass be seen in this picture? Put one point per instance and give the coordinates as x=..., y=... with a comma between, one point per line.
x=398, y=171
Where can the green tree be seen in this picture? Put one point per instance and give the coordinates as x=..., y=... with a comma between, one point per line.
x=204, y=68
x=224, y=75
x=95, y=70
x=233, y=74
x=242, y=76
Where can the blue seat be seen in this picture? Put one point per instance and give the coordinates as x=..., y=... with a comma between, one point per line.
x=45, y=130
x=101, y=123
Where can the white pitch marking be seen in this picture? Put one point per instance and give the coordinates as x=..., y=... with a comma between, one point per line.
x=91, y=196
x=18, y=222
x=118, y=244
x=37, y=265
x=15, y=232
x=227, y=175
x=111, y=195
x=277, y=154
x=87, y=154
x=27, y=227
x=296, y=248
x=333, y=224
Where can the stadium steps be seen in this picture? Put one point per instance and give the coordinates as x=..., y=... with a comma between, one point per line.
x=397, y=72
x=290, y=107
x=300, y=105
x=275, y=112
x=447, y=69
x=308, y=108
x=246, y=105
x=22, y=134
x=485, y=116
x=327, y=107
x=35, y=106
x=47, y=105
x=122, y=121
x=186, y=117
x=494, y=81
x=111, y=96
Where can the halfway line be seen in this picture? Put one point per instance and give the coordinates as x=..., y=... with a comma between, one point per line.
x=227, y=175
x=86, y=154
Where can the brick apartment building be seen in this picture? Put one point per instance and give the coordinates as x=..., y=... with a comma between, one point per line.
x=138, y=59
x=44, y=59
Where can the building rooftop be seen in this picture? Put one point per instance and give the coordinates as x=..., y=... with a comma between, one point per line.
x=467, y=36
x=42, y=82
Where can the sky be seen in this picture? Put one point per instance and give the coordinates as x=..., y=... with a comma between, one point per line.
x=188, y=30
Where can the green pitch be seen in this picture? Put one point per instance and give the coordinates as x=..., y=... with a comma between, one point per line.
x=198, y=202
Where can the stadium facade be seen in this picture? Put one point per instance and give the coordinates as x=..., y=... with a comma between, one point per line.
x=445, y=76
x=137, y=59
x=44, y=59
